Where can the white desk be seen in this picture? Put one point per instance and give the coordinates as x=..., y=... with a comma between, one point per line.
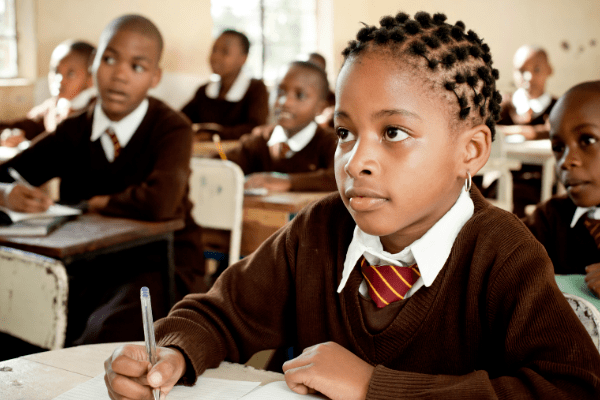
x=43, y=376
x=536, y=152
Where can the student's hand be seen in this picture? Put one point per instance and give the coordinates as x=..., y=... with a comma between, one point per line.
x=15, y=137
x=264, y=131
x=207, y=126
x=97, y=203
x=330, y=369
x=129, y=375
x=26, y=199
x=274, y=182
x=592, y=277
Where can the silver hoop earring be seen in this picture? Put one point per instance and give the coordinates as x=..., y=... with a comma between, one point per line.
x=468, y=182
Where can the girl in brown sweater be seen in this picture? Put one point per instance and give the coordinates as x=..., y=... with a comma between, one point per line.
x=479, y=314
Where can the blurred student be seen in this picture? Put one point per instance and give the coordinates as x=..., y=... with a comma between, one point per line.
x=526, y=111
x=296, y=154
x=232, y=103
x=406, y=284
x=325, y=119
x=71, y=86
x=126, y=155
x=569, y=225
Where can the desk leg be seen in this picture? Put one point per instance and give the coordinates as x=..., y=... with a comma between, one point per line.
x=171, y=270
x=547, y=178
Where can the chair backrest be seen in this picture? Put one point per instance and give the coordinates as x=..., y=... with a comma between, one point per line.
x=33, y=298
x=217, y=191
x=588, y=315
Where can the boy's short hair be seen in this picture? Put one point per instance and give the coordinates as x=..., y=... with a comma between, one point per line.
x=245, y=43
x=135, y=23
x=318, y=72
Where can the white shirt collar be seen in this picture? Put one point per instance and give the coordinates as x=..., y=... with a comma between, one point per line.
x=124, y=129
x=236, y=92
x=296, y=142
x=83, y=98
x=523, y=103
x=592, y=212
x=440, y=236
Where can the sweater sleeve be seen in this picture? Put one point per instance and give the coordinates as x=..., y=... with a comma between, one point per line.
x=250, y=153
x=160, y=196
x=235, y=319
x=545, y=350
x=323, y=179
x=257, y=99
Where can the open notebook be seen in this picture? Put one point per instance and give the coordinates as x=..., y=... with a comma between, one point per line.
x=204, y=389
x=15, y=223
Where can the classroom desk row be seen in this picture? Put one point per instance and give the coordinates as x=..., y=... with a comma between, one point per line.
x=43, y=376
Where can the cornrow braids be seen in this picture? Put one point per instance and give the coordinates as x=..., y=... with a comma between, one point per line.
x=459, y=60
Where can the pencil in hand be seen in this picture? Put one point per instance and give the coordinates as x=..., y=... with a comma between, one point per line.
x=217, y=139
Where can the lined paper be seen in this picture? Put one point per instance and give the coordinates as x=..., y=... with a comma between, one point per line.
x=205, y=389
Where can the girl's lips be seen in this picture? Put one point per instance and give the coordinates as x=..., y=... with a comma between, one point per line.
x=362, y=204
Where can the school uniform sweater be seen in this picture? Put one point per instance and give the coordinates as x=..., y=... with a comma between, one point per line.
x=570, y=249
x=493, y=325
x=236, y=118
x=148, y=181
x=310, y=169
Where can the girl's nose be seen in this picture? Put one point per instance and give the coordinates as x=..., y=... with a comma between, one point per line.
x=362, y=159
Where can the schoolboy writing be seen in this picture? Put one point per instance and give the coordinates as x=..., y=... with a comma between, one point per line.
x=567, y=225
x=232, y=103
x=71, y=86
x=477, y=312
x=296, y=154
x=127, y=155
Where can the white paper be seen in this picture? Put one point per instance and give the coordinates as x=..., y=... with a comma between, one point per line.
x=278, y=391
x=55, y=210
x=205, y=389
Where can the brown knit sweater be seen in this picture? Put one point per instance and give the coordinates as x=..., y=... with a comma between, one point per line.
x=310, y=169
x=493, y=325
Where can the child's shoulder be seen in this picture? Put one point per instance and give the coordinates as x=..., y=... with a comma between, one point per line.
x=323, y=214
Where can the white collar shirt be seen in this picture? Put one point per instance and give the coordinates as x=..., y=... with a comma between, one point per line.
x=591, y=212
x=429, y=252
x=124, y=129
x=236, y=92
x=297, y=142
x=523, y=103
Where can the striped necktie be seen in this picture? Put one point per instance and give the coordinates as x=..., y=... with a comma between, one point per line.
x=593, y=226
x=115, y=141
x=388, y=283
x=279, y=150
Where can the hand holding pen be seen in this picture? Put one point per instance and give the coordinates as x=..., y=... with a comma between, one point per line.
x=24, y=197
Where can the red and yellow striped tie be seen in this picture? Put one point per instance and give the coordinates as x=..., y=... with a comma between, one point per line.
x=115, y=141
x=388, y=283
x=593, y=226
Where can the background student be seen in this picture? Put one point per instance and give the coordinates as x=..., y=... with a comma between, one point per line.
x=71, y=86
x=296, y=154
x=569, y=225
x=126, y=155
x=232, y=103
x=480, y=315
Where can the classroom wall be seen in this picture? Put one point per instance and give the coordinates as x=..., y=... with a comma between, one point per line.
x=505, y=25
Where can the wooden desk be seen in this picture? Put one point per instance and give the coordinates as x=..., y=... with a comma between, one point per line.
x=90, y=235
x=43, y=376
x=536, y=152
x=208, y=148
x=263, y=216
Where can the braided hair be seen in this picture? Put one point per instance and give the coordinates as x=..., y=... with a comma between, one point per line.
x=460, y=60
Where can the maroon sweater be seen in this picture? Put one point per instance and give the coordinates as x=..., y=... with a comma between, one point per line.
x=311, y=169
x=236, y=118
x=493, y=325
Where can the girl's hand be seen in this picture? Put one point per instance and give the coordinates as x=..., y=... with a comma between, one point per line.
x=274, y=182
x=592, y=278
x=330, y=369
x=129, y=375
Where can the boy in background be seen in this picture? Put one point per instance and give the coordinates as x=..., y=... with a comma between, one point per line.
x=127, y=155
x=296, y=154
x=71, y=86
x=232, y=103
x=568, y=225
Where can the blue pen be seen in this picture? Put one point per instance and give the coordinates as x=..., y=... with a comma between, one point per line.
x=149, y=331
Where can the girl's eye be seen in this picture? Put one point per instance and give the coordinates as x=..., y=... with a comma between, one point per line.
x=109, y=60
x=558, y=147
x=393, y=134
x=344, y=135
x=300, y=95
x=587, y=140
x=138, y=68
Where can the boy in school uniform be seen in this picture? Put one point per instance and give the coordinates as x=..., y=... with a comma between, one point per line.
x=296, y=154
x=407, y=283
x=567, y=225
x=71, y=86
x=232, y=103
x=127, y=155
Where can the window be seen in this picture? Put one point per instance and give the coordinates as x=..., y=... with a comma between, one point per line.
x=8, y=40
x=279, y=30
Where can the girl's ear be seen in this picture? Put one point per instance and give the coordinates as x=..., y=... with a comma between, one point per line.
x=478, y=143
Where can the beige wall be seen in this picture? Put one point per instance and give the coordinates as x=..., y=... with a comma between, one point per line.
x=505, y=25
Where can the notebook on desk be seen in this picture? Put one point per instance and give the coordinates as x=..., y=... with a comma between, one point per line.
x=13, y=223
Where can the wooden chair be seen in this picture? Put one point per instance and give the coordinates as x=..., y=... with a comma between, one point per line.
x=588, y=315
x=217, y=191
x=33, y=298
